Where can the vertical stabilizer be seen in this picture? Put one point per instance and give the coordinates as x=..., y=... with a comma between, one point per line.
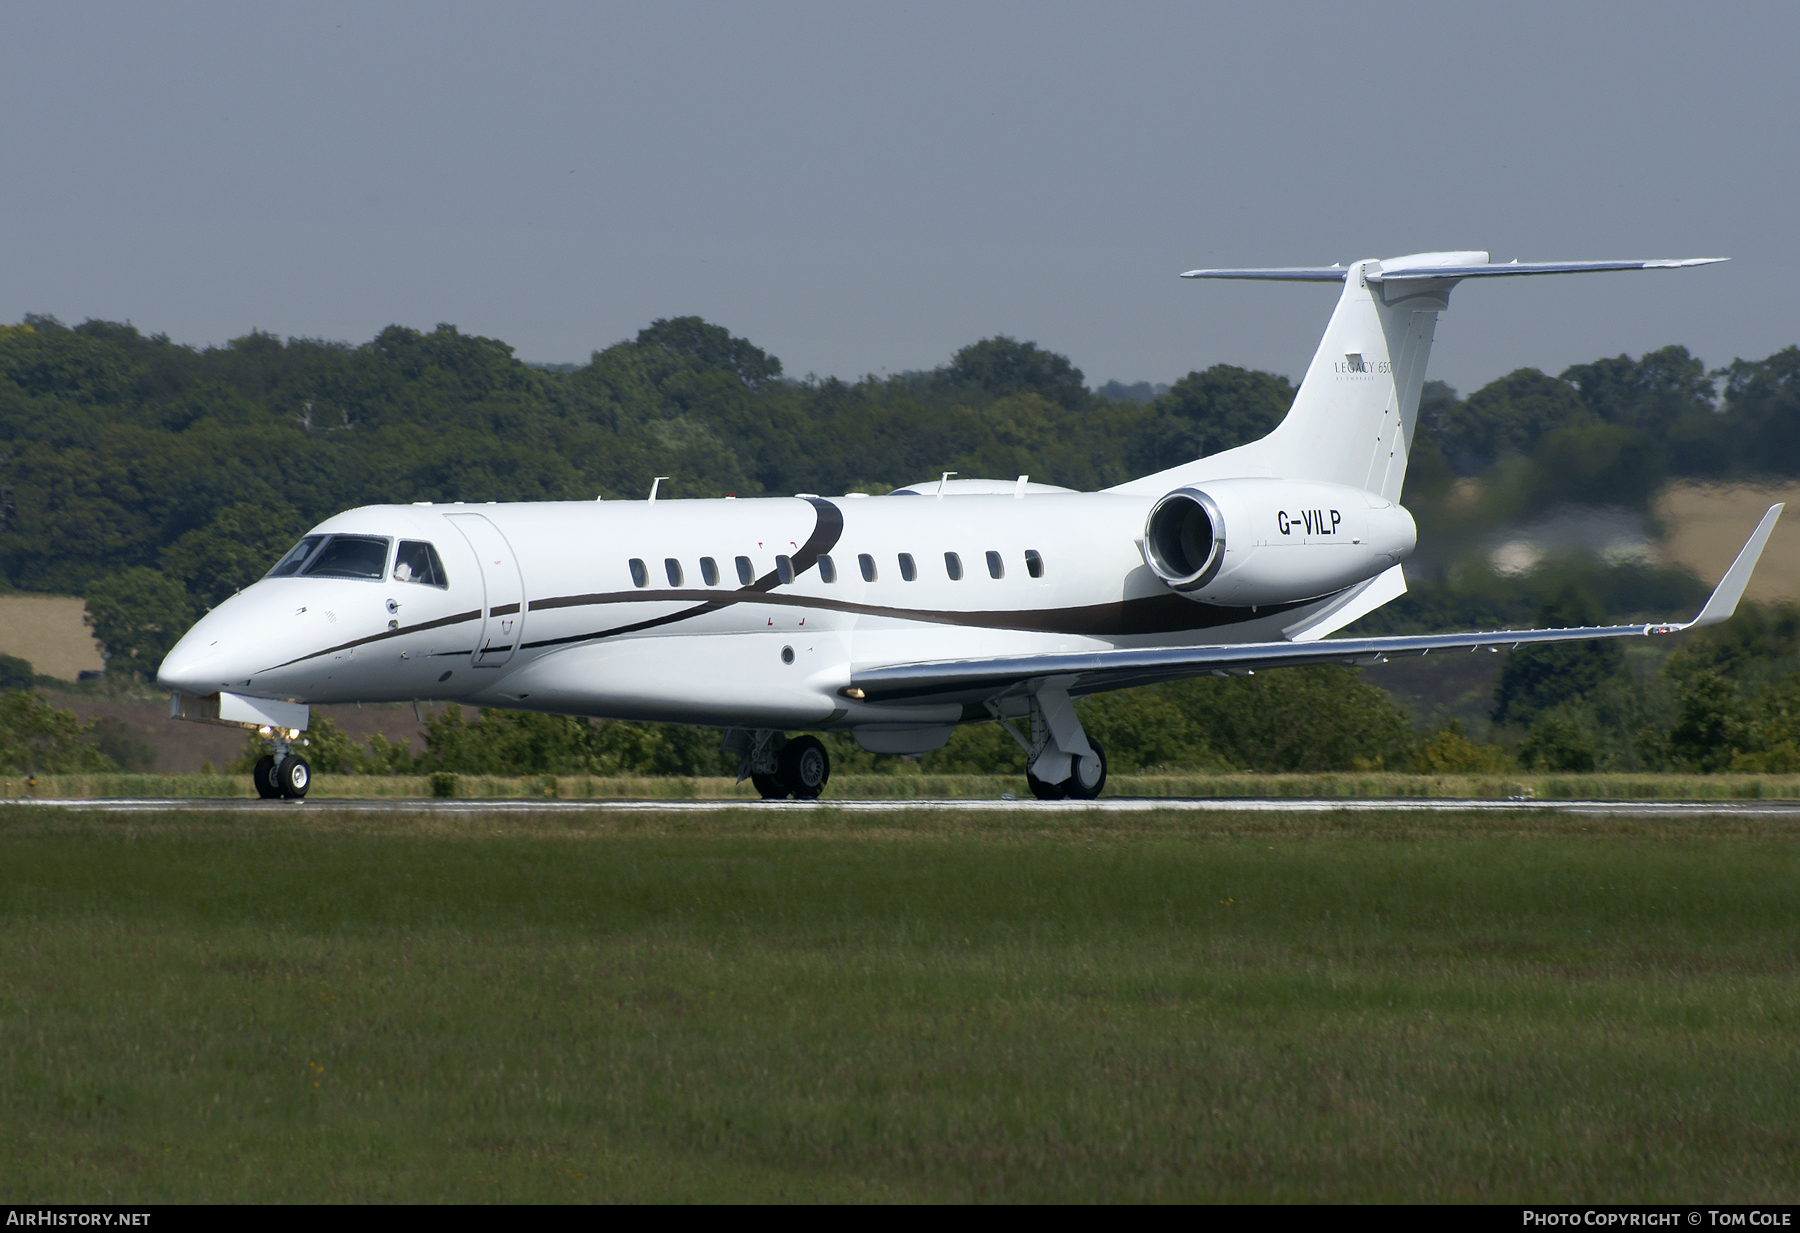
x=1352, y=421
x=1353, y=418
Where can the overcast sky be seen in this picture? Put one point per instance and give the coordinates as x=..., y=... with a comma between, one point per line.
x=860, y=188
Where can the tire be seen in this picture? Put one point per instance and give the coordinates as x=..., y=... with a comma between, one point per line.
x=263, y=776
x=1087, y=776
x=1044, y=790
x=805, y=767
x=770, y=787
x=293, y=777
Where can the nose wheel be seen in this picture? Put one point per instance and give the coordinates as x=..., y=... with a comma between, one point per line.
x=287, y=776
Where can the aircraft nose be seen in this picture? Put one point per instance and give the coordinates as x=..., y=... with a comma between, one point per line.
x=193, y=669
x=213, y=655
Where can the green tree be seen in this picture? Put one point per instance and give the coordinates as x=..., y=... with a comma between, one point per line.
x=36, y=736
x=1559, y=743
x=998, y=366
x=116, y=739
x=1206, y=412
x=1714, y=725
x=232, y=551
x=16, y=673
x=1597, y=464
x=1449, y=751
x=1536, y=678
x=137, y=616
x=1322, y=718
x=1508, y=416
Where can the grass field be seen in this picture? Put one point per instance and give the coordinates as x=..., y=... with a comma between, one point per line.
x=323, y=1006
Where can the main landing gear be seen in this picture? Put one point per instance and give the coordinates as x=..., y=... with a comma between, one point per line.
x=778, y=766
x=1061, y=763
x=281, y=772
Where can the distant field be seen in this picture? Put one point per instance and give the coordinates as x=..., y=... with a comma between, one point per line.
x=50, y=631
x=1706, y=524
x=327, y=1007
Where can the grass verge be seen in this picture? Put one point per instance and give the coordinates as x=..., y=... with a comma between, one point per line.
x=900, y=787
x=326, y=1006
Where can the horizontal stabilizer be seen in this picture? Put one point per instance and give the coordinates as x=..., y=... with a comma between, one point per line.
x=1412, y=269
x=1290, y=274
x=1514, y=268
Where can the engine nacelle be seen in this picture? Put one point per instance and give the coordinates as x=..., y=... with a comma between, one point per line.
x=1241, y=542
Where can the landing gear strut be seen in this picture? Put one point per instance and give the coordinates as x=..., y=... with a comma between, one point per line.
x=281, y=773
x=778, y=766
x=1061, y=763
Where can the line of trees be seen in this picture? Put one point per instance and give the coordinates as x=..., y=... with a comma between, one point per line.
x=156, y=478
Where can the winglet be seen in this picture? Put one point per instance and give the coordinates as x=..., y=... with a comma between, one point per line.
x=1724, y=599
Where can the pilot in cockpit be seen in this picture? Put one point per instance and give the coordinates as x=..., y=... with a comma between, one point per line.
x=414, y=563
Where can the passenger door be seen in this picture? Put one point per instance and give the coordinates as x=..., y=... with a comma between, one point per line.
x=503, y=611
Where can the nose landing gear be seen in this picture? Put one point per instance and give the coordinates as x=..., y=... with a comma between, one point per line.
x=281, y=773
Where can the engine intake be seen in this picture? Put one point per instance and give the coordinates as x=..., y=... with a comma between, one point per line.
x=1185, y=539
x=1255, y=540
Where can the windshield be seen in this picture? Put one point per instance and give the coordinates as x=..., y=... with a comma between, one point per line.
x=296, y=557
x=350, y=556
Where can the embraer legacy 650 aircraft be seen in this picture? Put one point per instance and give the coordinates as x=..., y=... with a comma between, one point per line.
x=893, y=618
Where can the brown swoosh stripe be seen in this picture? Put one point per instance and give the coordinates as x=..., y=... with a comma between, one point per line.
x=1156, y=614
x=384, y=635
x=824, y=537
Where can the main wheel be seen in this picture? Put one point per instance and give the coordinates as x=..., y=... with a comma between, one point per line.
x=1044, y=790
x=1087, y=775
x=293, y=776
x=805, y=767
x=263, y=776
x=770, y=787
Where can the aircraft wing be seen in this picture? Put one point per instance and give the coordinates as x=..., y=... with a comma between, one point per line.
x=977, y=680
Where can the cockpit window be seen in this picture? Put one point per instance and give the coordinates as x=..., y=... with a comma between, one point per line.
x=350, y=556
x=296, y=557
x=417, y=561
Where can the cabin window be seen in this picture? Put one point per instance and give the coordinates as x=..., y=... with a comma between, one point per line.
x=907, y=570
x=827, y=570
x=1034, y=563
x=996, y=567
x=867, y=563
x=640, y=577
x=296, y=557
x=672, y=568
x=746, y=575
x=953, y=566
x=350, y=556
x=418, y=561
x=784, y=569
x=709, y=571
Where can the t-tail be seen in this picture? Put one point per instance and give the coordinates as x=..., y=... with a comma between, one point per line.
x=1353, y=418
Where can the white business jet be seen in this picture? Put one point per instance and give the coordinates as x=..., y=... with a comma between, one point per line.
x=893, y=618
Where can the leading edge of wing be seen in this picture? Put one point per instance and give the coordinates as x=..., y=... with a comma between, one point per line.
x=1094, y=671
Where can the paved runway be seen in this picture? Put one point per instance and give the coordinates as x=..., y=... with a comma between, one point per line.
x=1117, y=804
